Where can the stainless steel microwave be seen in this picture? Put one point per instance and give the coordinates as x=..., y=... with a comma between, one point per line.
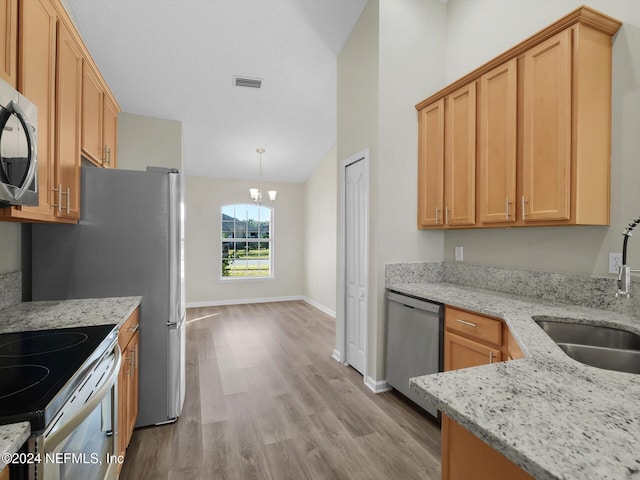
x=18, y=148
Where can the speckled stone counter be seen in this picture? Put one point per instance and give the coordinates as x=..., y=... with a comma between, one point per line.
x=67, y=313
x=553, y=416
x=57, y=314
x=11, y=439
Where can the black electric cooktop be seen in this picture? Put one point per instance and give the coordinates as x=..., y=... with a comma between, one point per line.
x=40, y=369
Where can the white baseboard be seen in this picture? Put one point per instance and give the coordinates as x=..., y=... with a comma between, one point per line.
x=336, y=356
x=322, y=308
x=377, y=386
x=243, y=301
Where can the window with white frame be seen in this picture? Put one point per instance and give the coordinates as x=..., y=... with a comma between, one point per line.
x=247, y=239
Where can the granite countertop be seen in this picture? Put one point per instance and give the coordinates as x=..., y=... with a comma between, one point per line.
x=57, y=314
x=67, y=313
x=551, y=415
x=12, y=437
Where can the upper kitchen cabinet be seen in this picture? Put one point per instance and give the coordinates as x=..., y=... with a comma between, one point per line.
x=9, y=41
x=497, y=146
x=567, y=126
x=460, y=157
x=431, y=165
x=68, y=125
x=447, y=160
x=56, y=72
x=99, y=119
x=37, y=82
x=546, y=159
x=543, y=130
x=110, y=130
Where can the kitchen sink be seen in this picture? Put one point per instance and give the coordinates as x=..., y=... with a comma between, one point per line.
x=595, y=345
x=596, y=335
x=607, y=358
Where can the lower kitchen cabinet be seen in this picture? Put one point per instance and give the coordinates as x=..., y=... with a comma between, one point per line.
x=465, y=456
x=472, y=340
x=129, y=340
x=462, y=352
x=4, y=474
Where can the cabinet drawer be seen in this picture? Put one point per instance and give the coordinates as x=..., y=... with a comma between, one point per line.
x=476, y=326
x=129, y=328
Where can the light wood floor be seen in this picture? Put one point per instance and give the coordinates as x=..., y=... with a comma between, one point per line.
x=265, y=400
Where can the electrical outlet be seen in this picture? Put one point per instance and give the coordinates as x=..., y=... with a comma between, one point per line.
x=615, y=261
x=459, y=254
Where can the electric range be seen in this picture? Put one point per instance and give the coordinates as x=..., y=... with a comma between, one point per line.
x=39, y=370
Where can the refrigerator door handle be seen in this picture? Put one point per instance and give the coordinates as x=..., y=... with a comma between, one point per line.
x=178, y=324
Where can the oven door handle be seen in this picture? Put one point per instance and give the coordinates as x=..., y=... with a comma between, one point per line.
x=31, y=142
x=53, y=440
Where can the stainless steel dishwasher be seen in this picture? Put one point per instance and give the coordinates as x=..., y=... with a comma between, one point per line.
x=414, y=343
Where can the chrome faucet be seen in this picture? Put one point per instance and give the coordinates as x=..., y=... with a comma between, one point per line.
x=624, y=273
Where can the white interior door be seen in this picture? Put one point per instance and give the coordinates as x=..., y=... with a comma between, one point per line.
x=355, y=229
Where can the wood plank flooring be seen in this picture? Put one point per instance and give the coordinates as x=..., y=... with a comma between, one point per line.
x=265, y=400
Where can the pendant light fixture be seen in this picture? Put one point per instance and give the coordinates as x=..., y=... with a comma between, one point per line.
x=256, y=193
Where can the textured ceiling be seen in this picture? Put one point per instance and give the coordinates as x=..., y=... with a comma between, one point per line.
x=175, y=59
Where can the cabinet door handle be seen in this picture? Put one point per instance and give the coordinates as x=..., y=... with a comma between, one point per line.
x=59, y=190
x=134, y=328
x=437, y=215
x=109, y=156
x=524, y=213
x=464, y=322
x=507, y=207
x=68, y=194
x=490, y=357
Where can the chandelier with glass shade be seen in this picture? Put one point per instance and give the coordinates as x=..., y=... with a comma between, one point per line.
x=256, y=193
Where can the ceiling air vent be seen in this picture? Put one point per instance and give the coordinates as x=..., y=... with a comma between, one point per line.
x=239, y=81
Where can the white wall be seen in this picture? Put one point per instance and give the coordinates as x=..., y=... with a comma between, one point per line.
x=357, y=131
x=144, y=141
x=204, y=199
x=481, y=30
x=392, y=60
x=320, y=207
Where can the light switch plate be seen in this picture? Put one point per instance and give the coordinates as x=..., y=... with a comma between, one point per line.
x=615, y=261
x=459, y=254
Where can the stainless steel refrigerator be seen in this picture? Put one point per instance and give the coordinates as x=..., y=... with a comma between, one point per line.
x=129, y=241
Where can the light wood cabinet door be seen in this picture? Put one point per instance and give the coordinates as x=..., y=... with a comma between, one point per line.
x=92, y=114
x=9, y=41
x=431, y=165
x=460, y=352
x=68, y=124
x=467, y=457
x=132, y=388
x=38, y=23
x=128, y=393
x=497, y=145
x=460, y=157
x=110, y=132
x=129, y=342
x=546, y=185
x=4, y=474
x=123, y=388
